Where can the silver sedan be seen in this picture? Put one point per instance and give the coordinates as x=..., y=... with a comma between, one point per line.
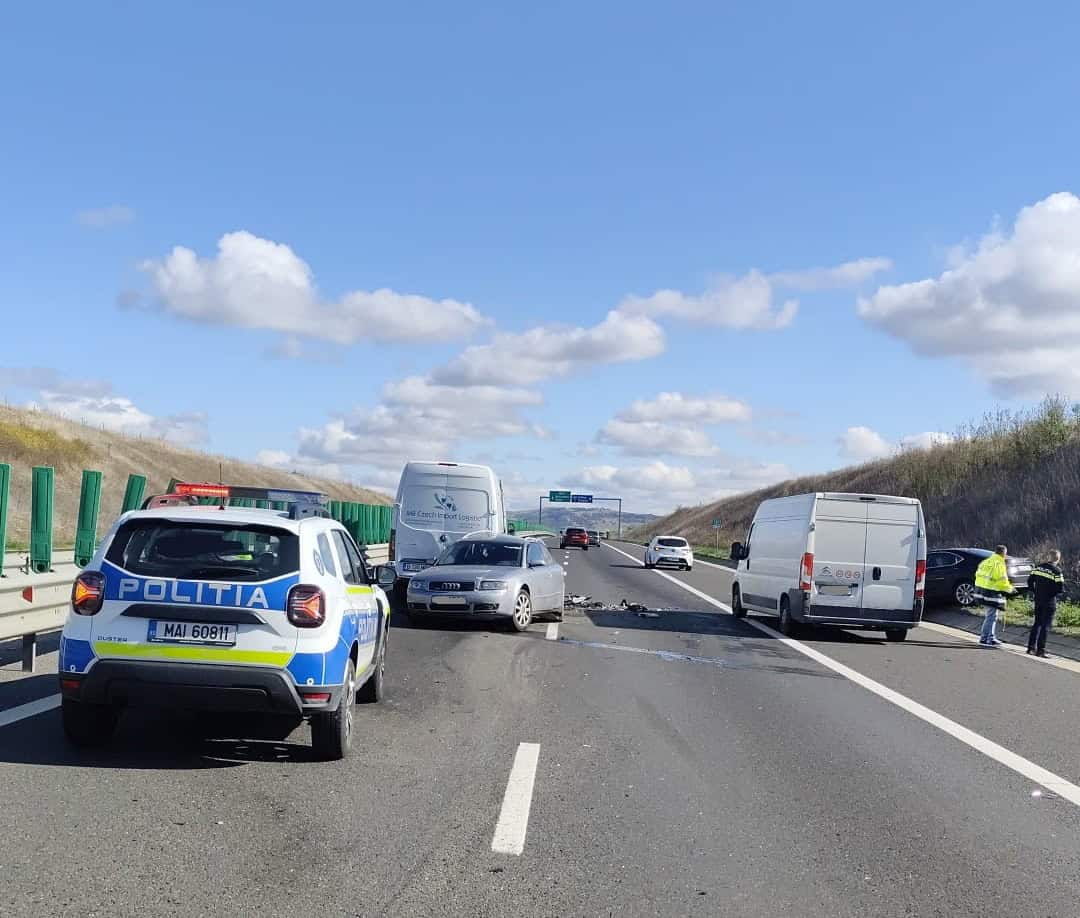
x=490, y=577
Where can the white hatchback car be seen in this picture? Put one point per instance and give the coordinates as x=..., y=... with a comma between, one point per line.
x=225, y=608
x=669, y=551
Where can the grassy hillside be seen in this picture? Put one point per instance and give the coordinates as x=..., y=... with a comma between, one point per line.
x=29, y=438
x=1013, y=478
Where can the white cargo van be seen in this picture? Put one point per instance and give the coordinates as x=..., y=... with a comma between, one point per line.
x=437, y=504
x=850, y=560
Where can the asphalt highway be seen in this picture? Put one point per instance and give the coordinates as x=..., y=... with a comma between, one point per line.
x=672, y=762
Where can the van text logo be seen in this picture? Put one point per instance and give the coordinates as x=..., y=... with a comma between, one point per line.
x=446, y=502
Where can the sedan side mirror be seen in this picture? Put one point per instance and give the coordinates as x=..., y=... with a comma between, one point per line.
x=386, y=576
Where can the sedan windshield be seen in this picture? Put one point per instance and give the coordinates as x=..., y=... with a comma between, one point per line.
x=483, y=554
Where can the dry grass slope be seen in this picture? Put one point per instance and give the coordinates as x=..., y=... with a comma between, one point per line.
x=1014, y=478
x=29, y=438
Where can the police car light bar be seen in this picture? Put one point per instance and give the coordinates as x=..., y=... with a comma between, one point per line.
x=233, y=491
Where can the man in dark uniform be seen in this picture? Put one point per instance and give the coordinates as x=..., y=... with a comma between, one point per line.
x=1046, y=584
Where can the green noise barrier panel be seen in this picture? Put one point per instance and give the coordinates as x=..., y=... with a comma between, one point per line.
x=133, y=494
x=41, y=519
x=5, y=488
x=86, y=526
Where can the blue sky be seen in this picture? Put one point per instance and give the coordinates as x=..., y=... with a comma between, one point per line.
x=346, y=237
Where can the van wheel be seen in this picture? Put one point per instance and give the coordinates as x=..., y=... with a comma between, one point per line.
x=737, y=608
x=964, y=593
x=331, y=731
x=372, y=691
x=896, y=634
x=87, y=725
x=788, y=625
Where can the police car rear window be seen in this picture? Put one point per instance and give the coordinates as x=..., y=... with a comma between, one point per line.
x=204, y=551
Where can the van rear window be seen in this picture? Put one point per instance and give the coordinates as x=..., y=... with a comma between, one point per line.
x=204, y=551
x=448, y=509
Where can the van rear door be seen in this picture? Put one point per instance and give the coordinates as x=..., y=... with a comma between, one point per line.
x=839, y=553
x=892, y=548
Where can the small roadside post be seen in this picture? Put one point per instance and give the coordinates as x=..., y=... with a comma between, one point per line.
x=717, y=524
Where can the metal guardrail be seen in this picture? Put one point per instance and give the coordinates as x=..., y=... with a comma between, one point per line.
x=33, y=604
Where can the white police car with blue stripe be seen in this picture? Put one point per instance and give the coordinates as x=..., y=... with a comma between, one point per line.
x=224, y=608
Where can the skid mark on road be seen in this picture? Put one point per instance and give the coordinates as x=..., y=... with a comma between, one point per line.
x=1028, y=769
x=513, y=821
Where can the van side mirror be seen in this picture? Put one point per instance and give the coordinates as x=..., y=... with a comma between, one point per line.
x=510, y=530
x=386, y=576
x=739, y=552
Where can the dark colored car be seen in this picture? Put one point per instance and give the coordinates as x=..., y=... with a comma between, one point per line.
x=576, y=537
x=950, y=574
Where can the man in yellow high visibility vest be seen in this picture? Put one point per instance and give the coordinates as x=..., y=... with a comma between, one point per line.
x=992, y=586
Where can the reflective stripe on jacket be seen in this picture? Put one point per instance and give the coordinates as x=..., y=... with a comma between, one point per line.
x=992, y=580
x=1046, y=584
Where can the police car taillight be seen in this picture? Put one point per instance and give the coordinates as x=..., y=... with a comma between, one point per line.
x=88, y=593
x=306, y=606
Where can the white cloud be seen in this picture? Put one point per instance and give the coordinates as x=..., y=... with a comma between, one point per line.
x=652, y=438
x=925, y=440
x=275, y=458
x=848, y=274
x=674, y=407
x=550, y=351
x=258, y=283
x=660, y=487
x=418, y=418
x=729, y=302
x=862, y=444
x=104, y=217
x=93, y=402
x=1010, y=306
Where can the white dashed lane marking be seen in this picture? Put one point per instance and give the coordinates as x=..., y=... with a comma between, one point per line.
x=513, y=821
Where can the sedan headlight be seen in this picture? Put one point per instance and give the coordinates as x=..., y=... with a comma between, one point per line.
x=492, y=584
x=415, y=584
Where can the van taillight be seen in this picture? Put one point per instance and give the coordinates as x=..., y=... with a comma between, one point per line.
x=807, y=576
x=88, y=593
x=920, y=579
x=306, y=606
x=393, y=542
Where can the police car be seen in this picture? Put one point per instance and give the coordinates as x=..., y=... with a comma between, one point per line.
x=224, y=608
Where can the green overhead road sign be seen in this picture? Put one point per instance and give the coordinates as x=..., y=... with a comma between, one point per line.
x=559, y=497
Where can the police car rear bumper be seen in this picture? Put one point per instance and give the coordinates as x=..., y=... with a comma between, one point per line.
x=193, y=686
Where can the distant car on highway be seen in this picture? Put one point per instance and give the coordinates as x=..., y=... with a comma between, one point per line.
x=224, y=608
x=573, y=536
x=950, y=574
x=669, y=551
x=594, y=537
x=490, y=577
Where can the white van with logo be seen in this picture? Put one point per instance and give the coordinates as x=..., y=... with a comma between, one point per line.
x=437, y=504
x=849, y=560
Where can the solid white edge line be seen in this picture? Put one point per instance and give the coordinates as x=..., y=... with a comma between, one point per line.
x=552, y=631
x=513, y=821
x=1025, y=767
x=1017, y=650
x=30, y=709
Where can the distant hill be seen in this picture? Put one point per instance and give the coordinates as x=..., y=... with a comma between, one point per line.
x=1013, y=478
x=29, y=438
x=559, y=516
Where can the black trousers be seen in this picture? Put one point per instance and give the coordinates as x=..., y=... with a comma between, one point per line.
x=1044, y=618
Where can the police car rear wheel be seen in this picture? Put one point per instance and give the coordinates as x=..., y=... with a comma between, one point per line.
x=87, y=725
x=522, y=611
x=331, y=732
x=372, y=690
